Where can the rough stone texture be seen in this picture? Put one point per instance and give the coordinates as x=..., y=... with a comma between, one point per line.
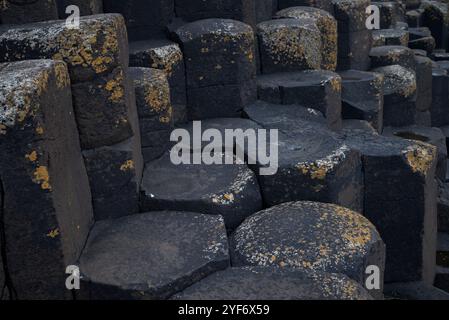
x=405, y=215
x=289, y=45
x=315, y=89
x=167, y=56
x=436, y=18
x=266, y=283
x=310, y=236
x=152, y=255
x=16, y=12
x=114, y=174
x=443, y=208
x=226, y=50
x=327, y=25
x=321, y=4
x=388, y=13
x=96, y=56
x=390, y=37
x=424, y=81
x=145, y=19
x=363, y=97
x=265, y=9
x=392, y=55
x=46, y=212
x=399, y=95
x=228, y=190
x=440, y=98
x=433, y=136
x=242, y=10
x=414, y=291
x=154, y=109
x=354, y=40
x=87, y=7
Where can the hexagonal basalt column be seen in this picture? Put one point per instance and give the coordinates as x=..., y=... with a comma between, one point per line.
x=167, y=56
x=392, y=55
x=405, y=215
x=319, y=90
x=363, y=97
x=220, y=64
x=399, y=95
x=354, y=39
x=390, y=37
x=436, y=18
x=327, y=25
x=154, y=109
x=310, y=236
x=270, y=283
x=226, y=189
x=289, y=45
x=46, y=211
x=151, y=255
x=320, y=4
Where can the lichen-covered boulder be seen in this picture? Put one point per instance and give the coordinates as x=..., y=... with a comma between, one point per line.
x=315, y=89
x=289, y=45
x=271, y=283
x=327, y=25
x=310, y=236
x=392, y=55
x=151, y=255
x=167, y=56
x=154, y=109
x=363, y=97
x=46, y=201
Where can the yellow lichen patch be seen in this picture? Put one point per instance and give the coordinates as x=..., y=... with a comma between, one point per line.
x=420, y=157
x=53, y=233
x=128, y=165
x=32, y=156
x=42, y=177
x=2, y=129
x=336, y=84
x=357, y=229
x=115, y=86
x=40, y=130
x=62, y=76
x=313, y=170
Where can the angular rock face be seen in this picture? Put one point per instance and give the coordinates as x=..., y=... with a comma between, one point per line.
x=310, y=236
x=266, y=283
x=440, y=99
x=144, y=19
x=229, y=190
x=392, y=55
x=315, y=89
x=436, y=18
x=15, y=12
x=390, y=37
x=399, y=95
x=104, y=104
x=327, y=25
x=151, y=255
x=289, y=45
x=87, y=7
x=363, y=97
x=405, y=216
x=45, y=191
x=321, y=4
x=225, y=49
x=167, y=56
x=354, y=39
x=154, y=109
x=388, y=13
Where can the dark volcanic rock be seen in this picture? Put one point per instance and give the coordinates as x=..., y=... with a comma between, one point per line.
x=392, y=55
x=265, y=283
x=152, y=255
x=390, y=37
x=440, y=98
x=310, y=236
x=20, y=12
x=46, y=212
x=435, y=17
x=321, y=4
x=229, y=190
x=414, y=291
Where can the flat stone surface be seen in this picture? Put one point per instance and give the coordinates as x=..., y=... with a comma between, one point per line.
x=152, y=255
x=266, y=283
x=229, y=190
x=309, y=236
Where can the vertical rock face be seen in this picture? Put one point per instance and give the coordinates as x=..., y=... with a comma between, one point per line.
x=15, y=12
x=440, y=99
x=406, y=215
x=103, y=98
x=144, y=19
x=87, y=7
x=220, y=62
x=436, y=18
x=154, y=109
x=46, y=202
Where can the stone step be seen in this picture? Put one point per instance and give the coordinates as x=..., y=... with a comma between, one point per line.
x=152, y=255
x=268, y=283
x=310, y=236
